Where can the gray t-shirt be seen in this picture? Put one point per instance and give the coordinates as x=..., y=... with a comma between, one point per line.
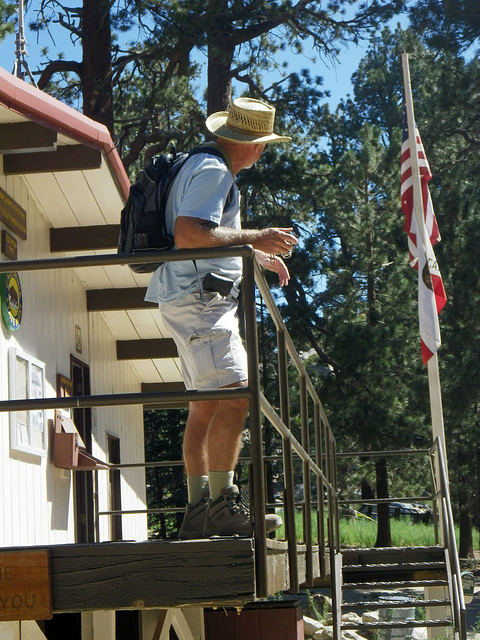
x=200, y=190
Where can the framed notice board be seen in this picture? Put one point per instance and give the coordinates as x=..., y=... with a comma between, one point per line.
x=26, y=379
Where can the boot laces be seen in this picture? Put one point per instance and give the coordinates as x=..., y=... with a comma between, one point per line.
x=240, y=503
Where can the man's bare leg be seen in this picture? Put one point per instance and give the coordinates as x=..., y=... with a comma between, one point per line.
x=212, y=441
x=224, y=436
x=213, y=432
x=195, y=439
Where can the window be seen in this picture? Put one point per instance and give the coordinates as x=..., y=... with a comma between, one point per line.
x=26, y=379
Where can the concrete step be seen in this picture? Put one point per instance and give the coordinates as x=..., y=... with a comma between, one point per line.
x=395, y=624
x=398, y=584
x=392, y=554
x=393, y=604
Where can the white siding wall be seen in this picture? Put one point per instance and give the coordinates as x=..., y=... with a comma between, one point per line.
x=124, y=422
x=36, y=499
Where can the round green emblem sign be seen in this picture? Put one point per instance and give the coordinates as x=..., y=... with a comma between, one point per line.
x=11, y=300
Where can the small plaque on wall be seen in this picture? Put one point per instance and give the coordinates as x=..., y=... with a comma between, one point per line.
x=25, y=591
x=9, y=245
x=13, y=215
x=78, y=339
x=11, y=300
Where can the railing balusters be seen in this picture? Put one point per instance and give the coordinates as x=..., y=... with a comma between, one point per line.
x=325, y=473
x=307, y=491
x=289, y=506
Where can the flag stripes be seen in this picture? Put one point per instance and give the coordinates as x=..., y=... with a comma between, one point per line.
x=431, y=292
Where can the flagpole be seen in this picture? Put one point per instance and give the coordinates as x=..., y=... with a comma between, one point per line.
x=436, y=409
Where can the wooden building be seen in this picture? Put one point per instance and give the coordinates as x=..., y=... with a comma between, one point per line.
x=60, y=171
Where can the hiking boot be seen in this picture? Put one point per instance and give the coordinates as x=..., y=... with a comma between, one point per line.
x=229, y=515
x=194, y=520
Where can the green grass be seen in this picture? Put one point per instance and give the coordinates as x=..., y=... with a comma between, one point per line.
x=362, y=532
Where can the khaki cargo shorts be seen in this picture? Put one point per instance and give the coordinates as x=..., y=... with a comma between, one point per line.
x=208, y=341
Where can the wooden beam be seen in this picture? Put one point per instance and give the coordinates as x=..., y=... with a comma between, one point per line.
x=151, y=575
x=66, y=158
x=26, y=137
x=103, y=236
x=146, y=349
x=118, y=299
x=159, y=387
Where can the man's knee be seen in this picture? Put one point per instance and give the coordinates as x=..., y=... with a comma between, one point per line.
x=239, y=405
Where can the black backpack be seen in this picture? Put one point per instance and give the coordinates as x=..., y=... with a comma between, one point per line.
x=142, y=220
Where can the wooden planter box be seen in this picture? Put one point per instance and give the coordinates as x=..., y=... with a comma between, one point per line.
x=256, y=621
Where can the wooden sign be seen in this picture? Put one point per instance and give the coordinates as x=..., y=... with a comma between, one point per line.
x=9, y=245
x=25, y=590
x=12, y=215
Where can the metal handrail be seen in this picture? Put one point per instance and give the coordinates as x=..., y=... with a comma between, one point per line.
x=458, y=601
x=442, y=509
x=412, y=499
x=326, y=475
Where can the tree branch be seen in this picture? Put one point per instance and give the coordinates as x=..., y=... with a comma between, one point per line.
x=59, y=66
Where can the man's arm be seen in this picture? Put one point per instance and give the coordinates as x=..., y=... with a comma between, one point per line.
x=195, y=233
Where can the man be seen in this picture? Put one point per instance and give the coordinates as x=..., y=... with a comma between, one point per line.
x=197, y=302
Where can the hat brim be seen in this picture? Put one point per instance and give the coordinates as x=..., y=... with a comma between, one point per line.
x=217, y=125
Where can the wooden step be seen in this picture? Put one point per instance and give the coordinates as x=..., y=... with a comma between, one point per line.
x=394, y=604
x=381, y=585
x=395, y=624
x=400, y=572
x=392, y=554
x=377, y=566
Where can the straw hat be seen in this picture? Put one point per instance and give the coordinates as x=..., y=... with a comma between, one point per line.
x=248, y=121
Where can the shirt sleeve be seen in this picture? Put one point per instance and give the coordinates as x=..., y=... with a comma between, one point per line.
x=205, y=191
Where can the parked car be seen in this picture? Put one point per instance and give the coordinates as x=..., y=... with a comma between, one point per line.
x=417, y=512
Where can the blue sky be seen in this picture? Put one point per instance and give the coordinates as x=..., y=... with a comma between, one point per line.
x=336, y=77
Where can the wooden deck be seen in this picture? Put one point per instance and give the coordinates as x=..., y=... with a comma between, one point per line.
x=162, y=574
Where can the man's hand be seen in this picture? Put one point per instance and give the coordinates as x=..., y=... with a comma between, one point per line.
x=273, y=263
x=274, y=240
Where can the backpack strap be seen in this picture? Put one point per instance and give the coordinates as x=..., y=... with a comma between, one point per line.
x=214, y=149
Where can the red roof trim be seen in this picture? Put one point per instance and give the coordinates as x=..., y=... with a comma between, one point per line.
x=38, y=106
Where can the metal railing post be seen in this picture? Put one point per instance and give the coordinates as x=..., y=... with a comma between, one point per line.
x=320, y=491
x=289, y=501
x=96, y=507
x=307, y=490
x=256, y=440
x=459, y=608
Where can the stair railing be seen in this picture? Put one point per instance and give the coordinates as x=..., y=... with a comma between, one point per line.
x=324, y=465
x=442, y=496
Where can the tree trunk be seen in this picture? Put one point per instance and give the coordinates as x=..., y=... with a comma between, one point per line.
x=466, y=535
x=367, y=490
x=97, y=62
x=220, y=58
x=384, y=538
x=219, y=91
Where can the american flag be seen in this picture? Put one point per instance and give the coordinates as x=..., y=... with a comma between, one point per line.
x=431, y=292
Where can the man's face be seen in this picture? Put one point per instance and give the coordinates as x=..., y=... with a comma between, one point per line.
x=256, y=151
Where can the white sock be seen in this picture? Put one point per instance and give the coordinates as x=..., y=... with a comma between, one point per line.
x=196, y=486
x=219, y=480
